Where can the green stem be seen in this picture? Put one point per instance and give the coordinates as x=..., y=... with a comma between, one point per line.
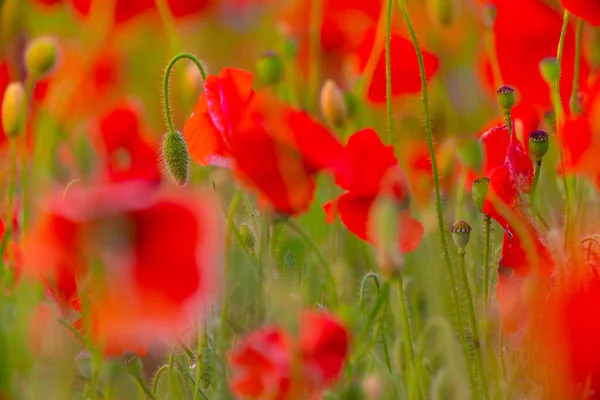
x=486, y=260
x=436, y=182
x=536, y=177
x=167, y=107
x=263, y=258
x=156, y=380
x=170, y=372
x=201, y=338
x=460, y=194
x=575, y=93
x=142, y=384
x=407, y=335
x=29, y=86
x=315, y=50
x=388, y=72
x=169, y=23
x=473, y=321
x=10, y=209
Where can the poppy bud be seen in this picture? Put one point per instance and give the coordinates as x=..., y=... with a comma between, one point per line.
x=333, y=105
x=461, y=233
x=269, y=68
x=538, y=143
x=489, y=15
x=83, y=361
x=40, y=56
x=133, y=363
x=247, y=237
x=176, y=157
x=550, y=70
x=506, y=97
x=479, y=192
x=208, y=364
x=11, y=108
x=441, y=12
x=470, y=154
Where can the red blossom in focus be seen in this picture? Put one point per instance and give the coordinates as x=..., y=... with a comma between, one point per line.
x=586, y=9
x=270, y=147
x=268, y=364
x=128, y=154
x=526, y=32
x=153, y=257
x=373, y=165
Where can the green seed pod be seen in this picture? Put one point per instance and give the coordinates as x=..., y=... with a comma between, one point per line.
x=479, y=192
x=333, y=105
x=506, y=97
x=176, y=157
x=11, y=108
x=207, y=366
x=441, y=12
x=470, y=154
x=461, y=233
x=269, y=68
x=550, y=70
x=539, y=143
x=247, y=237
x=40, y=56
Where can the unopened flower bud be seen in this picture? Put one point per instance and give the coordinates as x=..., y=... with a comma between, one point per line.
x=461, y=233
x=333, y=105
x=470, y=154
x=133, y=363
x=40, y=56
x=351, y=104
x=247, y=237
x=506, y=97
x=489, y=15
x=11, y=108
x=176, y=157
x=479, y=192
x=269, y=68
x=83, y=361
x=539, y=143
x=441, y=12
x=550, y=70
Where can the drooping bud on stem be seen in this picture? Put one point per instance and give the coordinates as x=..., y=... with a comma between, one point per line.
x=539, y=143
x=333, y=105
x=11, y=108
x=40, y=57
x=550, y=70
x=176, y=157
x=479, y=192
x=269, y=68
x=461, y=233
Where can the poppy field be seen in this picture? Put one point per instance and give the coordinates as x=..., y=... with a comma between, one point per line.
x=299, y=199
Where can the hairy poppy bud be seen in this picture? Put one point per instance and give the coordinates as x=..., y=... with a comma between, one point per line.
x=550, y=70
x=333, y=105
x=489, y=15
x=441, y=12
x=479, y=192
x=506, y=97
x=539, y=143
x=11, y=108
x=461, y=233
x=176, y=157
x=40, y=56
x=247, y=237
x=269, y=68
x=207, y=358
x=470, y=154
x=133, y=364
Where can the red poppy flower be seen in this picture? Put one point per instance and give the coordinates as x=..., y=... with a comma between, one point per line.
x=373, y=167
x=134, y=237
x=262, y=362
x=526, y=32
x=262, y=365
x=128, y=154
x=4, y=81
x=586, y=9
x=125, y=11
x=270, y=146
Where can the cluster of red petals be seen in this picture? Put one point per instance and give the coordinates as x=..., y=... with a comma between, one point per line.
x=125, y=11
x=374, y=171
x=270, y=364
x=152, y=256
x=349, y=33
x=270, y=146
x=4, y=81
x=586, y=9
x=128, y=155
x=526, y=32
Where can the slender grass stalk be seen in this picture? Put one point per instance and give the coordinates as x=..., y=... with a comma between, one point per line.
x=536, y=177
x=407, y=336
x=29, y=86
x=388, y=73
x=169, y=24
x=142, y=384
x=10, y=208
x=201, y=338
x=575, y=93
x=486, y=260
x=438, y=200
x=314, y=74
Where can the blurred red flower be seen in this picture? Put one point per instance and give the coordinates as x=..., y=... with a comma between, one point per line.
x=374, y=171
x=586, y=9
x=526, y=32
x=143, y=260
x=271, y=147
x=4, y=81
x=264, y=366
x=128, y=155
